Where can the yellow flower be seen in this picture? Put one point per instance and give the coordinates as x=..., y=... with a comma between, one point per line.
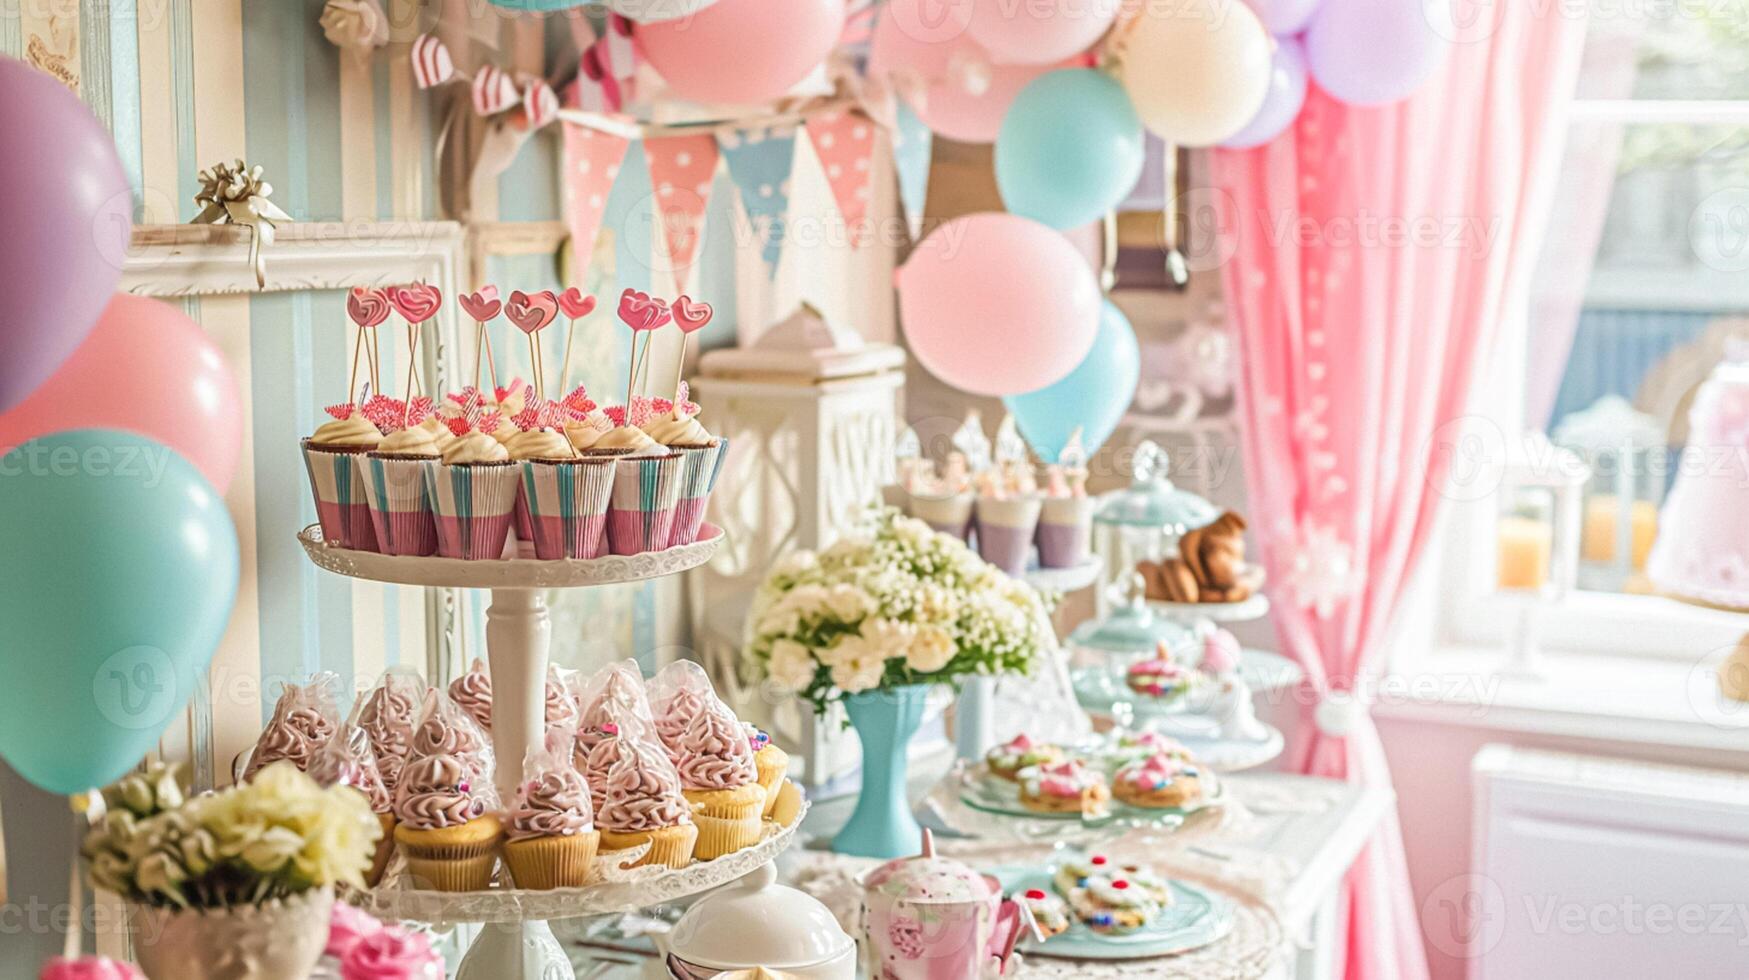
x=271, y=850
x=930, y=651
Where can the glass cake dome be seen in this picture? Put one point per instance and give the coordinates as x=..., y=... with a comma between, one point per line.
x=1144, y=521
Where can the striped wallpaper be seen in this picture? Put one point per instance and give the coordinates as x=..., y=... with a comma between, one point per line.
x=184, y=84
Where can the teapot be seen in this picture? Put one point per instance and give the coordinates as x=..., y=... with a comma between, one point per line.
x=934, y=918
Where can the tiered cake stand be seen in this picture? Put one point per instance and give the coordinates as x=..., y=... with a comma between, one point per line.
x=516, y=941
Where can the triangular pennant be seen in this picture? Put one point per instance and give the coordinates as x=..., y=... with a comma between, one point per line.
x=493, y=91
x=911, y=154
x=844, y=142
x=432, y=64
x=540, y=104
x=592, y=161
x=759, y=162
x=681, y=173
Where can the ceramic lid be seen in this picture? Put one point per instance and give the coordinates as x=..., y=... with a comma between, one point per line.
x=927, y=879
x=1131, y=627
x=757, y=922
x=1152, y=501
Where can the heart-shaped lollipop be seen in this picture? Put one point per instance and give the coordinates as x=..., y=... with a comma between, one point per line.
x=366, y=306
x=482, y=305
x=532, y=312
x=641, y=312
x=418, y=302
x=575, y=304
x=690, y=315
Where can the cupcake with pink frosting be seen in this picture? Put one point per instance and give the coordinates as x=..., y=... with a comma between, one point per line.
x=550, y=830
x=721, y=781
x=1161, y=677
x=389, y=717
x=644, y=804
x=1064, y=787
x=445, y=831
x=392, y=954
x=447, y=729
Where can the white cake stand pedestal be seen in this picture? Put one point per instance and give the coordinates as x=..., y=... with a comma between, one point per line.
x=519, y=634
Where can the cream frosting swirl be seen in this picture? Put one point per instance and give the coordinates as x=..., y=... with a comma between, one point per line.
x=715, y=753
x=475, y=447
x=387, y=717
x=561, y=708
x=643, y=793
x=473, y=692
x=555, y=805
x=678, y=429
x=600, y=760
x=626, y=437
x=280, y=741
x=437, y=792
x=586, y=432
x=416, y=441
x=540, y=444
x=462, y=741
x=677, y=715
x=354, y=430
x=506, y=429
x=617, y=704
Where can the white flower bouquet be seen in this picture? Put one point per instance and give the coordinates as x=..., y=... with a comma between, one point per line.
x=893, y=604
x=277, y=836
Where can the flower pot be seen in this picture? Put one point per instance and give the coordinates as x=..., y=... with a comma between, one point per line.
x=280, y=940
x=882, y=825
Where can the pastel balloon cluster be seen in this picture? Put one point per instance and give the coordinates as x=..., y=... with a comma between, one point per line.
x=119, y=433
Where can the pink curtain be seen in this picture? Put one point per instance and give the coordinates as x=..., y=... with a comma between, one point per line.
x=1373, y=251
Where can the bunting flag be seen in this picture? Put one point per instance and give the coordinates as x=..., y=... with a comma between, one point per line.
x=759, y=162
x=845, y=141
x=493, y=91
x=681, y=172
x=592, y=161
x=911, y=153
x=432, y=64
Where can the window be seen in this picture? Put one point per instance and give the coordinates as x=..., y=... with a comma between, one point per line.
x=1641, y=285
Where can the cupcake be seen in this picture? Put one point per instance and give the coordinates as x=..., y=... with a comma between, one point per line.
x=446, y=729
x=1063, y=787
x=646, y=491
x=1065, y=521
x=643, y=804
x=550, y=831
x=721, y=781
x=392, y=954
x=1006, y=760
x=1049, y=912
x=1160, y=678
x=537, y=440
x=334, y=459
x=772, y=763
x=302, y=723
x=614, y=696
x=347, y=760
x=566, y=502
x=395, y=486
x=473, y=692
x=701, y=459
x=1158, y=782
x=608, y=751
x=945, y=502
x=445, y=831
x=1007, y=517
x=584, y=431
x=473, y=492
x=675, y=714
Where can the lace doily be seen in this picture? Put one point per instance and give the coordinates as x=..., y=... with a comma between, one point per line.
x=1253, y=882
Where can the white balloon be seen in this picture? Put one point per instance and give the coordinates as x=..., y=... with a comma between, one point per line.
x=653, y=11
x=1199, y=73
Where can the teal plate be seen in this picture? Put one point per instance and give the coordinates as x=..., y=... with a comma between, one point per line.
x=1195, y=919
x=981, y=791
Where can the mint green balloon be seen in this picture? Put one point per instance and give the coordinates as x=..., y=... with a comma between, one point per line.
x=1070, y=148
x=119, y=575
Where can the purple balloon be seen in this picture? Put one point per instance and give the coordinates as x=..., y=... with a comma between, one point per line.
x=1284, y=17
x=1370, y=52
x=1282, y=102
x=67, y=214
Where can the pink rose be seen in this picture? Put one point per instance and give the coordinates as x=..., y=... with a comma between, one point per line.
x=347, y=927
x=392, y=954
x=90, y=968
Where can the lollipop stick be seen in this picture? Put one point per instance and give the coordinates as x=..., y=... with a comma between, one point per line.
x=534, y=364
x=479, y=334
x=352, y=381
x=375, y=361
x=490, y=363
x=565, y=368
x=412, y=355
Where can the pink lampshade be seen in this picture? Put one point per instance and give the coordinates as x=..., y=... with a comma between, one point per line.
x=1702, y=550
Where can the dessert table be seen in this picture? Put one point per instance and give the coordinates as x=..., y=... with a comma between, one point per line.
x=1280, y=857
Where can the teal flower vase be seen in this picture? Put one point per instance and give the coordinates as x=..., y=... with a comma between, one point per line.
x=883, y=826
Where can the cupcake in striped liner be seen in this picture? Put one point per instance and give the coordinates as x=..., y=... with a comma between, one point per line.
x=334, y=456
x=395, y=483
x=646, y=485
x=567, y=502
x=538, y=439
x=676, y=426
x=473, y=491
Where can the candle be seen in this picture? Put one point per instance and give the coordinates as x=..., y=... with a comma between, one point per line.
x=1526, y=546
x=1601, y=514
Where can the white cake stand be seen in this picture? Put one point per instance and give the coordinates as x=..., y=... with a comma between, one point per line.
x=1065, y=580
x=517, y=942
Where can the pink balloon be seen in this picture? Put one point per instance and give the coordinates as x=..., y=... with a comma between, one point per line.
x=998, y=304
x=148, y=369
x=742, y=51
x=1035, y=33
x=932, y=58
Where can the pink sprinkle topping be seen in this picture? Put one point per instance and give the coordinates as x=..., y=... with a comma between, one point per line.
x=459, y=425
x=616, y=414
x=610, y=729
x=341, y=412
x=463, y=786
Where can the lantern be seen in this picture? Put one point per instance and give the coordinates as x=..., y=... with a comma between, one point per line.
x=1537, y=534
x=1624, y=449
